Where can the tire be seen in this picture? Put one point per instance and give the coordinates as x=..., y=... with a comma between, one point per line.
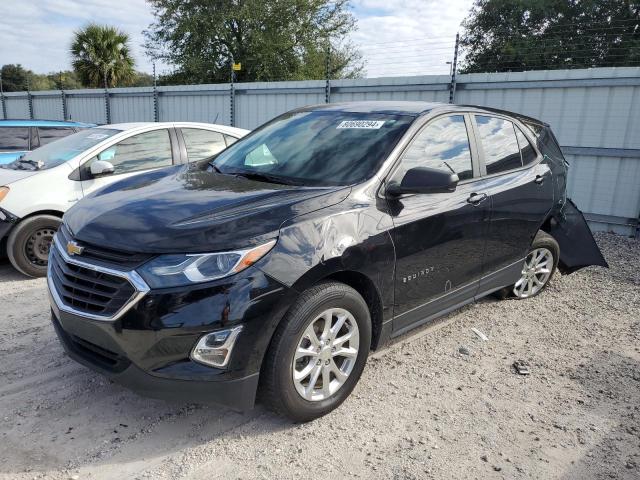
x=28, y=244
x=278, y=390
x=542, y=243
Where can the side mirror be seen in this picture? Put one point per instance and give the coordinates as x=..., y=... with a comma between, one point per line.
x=101, y=167
x=424, y=180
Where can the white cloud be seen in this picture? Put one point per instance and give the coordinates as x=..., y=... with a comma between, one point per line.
x=408, y=37
x=38, y=34
x=399, y=37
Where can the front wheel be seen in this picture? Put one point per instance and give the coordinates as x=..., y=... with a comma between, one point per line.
x=318, y=352
x=29, y=242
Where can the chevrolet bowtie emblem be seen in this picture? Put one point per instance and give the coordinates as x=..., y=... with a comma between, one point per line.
x=74, y=249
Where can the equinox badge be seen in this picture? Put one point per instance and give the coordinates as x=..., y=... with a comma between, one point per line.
x=74, y=249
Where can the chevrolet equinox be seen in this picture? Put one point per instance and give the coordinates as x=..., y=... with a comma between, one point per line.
x=273, y=268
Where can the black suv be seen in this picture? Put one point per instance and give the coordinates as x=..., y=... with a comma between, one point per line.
x=277, y=265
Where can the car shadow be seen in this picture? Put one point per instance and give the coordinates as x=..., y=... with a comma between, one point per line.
x=10, y=274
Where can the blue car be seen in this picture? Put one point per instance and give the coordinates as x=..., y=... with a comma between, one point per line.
x=21, y=136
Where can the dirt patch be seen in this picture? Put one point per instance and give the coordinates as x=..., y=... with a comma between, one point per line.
x=423, y=409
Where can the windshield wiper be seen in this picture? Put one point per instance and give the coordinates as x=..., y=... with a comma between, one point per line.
x=264, y=177
x=215, y=167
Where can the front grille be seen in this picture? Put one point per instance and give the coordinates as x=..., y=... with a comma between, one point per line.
x=112, y=258
x=87, y=290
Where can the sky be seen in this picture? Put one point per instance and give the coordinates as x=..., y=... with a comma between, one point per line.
x=396, y=37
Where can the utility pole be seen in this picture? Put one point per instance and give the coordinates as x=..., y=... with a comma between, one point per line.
x=327, y=75
x=156, y=111
x=454, y=68
x=4, y=107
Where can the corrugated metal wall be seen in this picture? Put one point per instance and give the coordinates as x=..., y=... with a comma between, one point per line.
x=595, y=114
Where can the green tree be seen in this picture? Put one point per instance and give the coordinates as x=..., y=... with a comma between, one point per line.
x=274, y=40
x=502, y=35
x=14, y=78
x=101, y=55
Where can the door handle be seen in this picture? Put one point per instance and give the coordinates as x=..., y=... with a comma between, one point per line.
x=477, y=198
x=539, y=179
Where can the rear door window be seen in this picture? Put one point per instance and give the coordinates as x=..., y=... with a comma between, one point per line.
x=499, y=144
x=50, y=134
x=14, y=139
x=442, y=145
x=202, y=144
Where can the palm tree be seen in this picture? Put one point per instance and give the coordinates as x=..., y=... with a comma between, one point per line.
x=101, y=56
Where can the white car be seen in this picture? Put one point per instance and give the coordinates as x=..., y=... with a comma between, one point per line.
x=40, y=186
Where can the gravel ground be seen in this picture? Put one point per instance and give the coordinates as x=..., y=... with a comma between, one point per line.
x=421, y=410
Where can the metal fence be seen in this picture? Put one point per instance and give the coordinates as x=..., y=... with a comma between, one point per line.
x=595, y=114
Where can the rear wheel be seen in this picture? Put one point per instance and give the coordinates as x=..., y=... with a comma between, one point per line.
x=29, y=242
x=318, y=352
x=538, y=268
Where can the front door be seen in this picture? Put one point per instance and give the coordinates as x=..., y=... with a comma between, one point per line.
x=135, y=154
x=439, y=238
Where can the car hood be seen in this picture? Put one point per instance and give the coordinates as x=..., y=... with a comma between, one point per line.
x=188, y=211
x=8, y=175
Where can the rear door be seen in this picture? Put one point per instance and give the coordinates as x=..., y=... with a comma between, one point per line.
x=135, y=154
x=202, y=144
x=521, y=189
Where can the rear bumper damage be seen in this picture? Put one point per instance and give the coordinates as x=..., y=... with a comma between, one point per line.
x=578, y=249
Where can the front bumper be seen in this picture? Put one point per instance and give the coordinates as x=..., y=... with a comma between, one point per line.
x=148, y=347
x=238, y=393
x=7, y=222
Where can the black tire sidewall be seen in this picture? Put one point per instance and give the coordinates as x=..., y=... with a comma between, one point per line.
x=16, y=243
x=331, y=296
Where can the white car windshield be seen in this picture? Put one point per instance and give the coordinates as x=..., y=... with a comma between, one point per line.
x=58, y=152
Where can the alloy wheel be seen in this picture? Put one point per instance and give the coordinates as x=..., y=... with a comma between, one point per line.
x=326, y=354
x=536, y=272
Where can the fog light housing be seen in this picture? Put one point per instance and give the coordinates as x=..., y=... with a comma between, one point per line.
x=214, y=349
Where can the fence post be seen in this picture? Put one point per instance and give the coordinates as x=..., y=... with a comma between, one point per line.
x=156, y=111
x=30, y=103
x=107, y=105
x=4, y=107
x=232, y=96
x=454, y=68
x=327, y=75
x=63, y=98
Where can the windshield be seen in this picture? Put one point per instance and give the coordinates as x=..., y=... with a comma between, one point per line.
x=318, y=147
x=59, y=151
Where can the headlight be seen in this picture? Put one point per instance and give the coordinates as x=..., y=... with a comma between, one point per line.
x=3, y=192
x=178, y=270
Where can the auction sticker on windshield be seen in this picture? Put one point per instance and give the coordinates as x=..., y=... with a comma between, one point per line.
x=368, y=124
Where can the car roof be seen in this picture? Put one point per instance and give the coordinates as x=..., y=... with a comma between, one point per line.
x=390, y=107
x=143, y=125
x=43, y=123
x=411, y=108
